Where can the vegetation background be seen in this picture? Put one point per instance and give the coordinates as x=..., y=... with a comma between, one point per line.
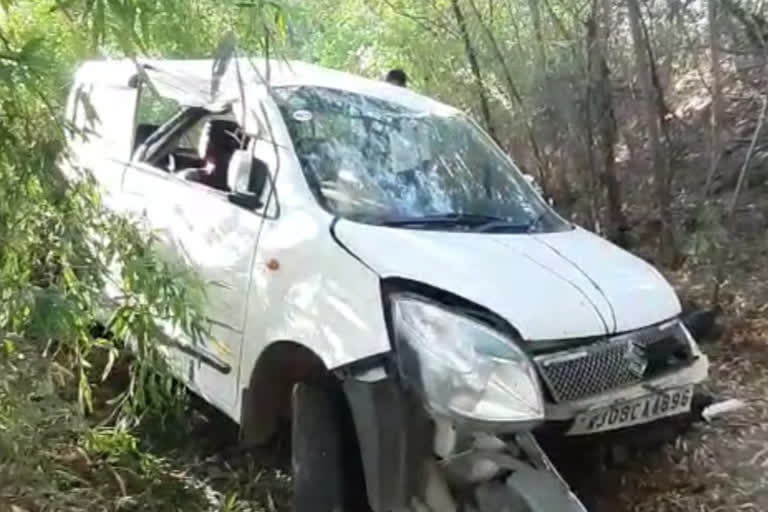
x=641, y=118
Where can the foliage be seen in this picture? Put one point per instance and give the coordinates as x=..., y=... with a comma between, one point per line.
x=52, y=459
x=61, y=248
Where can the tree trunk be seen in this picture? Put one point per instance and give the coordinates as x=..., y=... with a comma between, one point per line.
x=662, y=111
x=600, y=103
x=716, y=140
x=593, y=189
x=485, y=109
x=541, y=57
x=667, y=249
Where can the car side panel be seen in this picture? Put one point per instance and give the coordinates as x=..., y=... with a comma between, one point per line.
x=307, y=289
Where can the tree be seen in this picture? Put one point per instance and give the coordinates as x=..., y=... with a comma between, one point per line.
x=514, y=94
x=716, y=87
x=659, y=158
x=540, y=52
x=600, y=102
x=474, y=65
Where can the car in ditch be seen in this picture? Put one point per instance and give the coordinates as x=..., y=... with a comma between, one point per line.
x=382, y=276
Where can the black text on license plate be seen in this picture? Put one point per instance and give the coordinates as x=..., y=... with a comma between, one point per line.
x=635, y=412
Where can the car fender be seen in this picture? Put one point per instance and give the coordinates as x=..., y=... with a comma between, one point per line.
x=307, y=289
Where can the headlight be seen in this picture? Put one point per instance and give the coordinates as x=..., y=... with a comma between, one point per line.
x=464, y=369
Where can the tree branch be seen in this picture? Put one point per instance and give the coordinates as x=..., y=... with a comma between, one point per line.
x=422, y=22
x=730, y=214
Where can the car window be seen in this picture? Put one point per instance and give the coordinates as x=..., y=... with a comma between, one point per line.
x=196, y=146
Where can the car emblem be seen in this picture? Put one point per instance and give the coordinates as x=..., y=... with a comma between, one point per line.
x=635, y=356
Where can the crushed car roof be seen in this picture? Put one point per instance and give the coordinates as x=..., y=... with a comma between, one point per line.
x=189, y=81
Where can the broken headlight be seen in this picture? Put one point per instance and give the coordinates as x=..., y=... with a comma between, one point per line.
x=464, y=369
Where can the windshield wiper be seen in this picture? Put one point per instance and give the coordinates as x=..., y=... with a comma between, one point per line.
x=476, y=223
x=450, y=219
x=534, y=225
x=505, y=226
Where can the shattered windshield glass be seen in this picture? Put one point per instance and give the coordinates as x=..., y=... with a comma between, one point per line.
x=374, y=161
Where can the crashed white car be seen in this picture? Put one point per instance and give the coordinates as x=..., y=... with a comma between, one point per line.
x=382, y=275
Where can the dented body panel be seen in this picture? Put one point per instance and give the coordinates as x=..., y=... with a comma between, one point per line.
x=591, y=287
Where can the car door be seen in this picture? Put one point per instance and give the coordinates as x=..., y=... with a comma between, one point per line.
x=219, y=241
x=149, y=195
x=199, y=227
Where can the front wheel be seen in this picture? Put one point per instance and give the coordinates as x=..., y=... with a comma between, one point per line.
x=327, y=473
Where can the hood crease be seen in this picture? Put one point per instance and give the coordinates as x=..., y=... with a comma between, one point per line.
x=563, y=278
x=592, y=282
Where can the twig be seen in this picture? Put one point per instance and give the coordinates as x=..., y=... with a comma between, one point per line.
x=748, y=158
x=424, y=23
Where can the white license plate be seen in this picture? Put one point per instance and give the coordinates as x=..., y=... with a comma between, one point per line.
x=634, y=412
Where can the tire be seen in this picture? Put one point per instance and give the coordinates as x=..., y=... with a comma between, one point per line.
x=327, y=473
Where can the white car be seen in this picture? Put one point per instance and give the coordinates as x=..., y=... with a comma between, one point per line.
x=382, y=274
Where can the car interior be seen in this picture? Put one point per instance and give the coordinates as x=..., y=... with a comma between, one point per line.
x=196, y=146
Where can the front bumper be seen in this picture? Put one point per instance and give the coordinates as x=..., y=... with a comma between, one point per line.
x=694, y=373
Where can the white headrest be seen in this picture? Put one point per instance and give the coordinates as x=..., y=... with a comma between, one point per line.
x=238, y=173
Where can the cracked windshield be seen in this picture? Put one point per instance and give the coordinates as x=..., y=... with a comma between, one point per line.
x=371, y=160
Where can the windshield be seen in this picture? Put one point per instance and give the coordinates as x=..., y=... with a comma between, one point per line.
x=375, y=161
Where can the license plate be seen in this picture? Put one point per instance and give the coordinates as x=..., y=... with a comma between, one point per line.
x=634, y=412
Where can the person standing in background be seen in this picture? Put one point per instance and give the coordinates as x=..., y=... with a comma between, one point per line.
x=397, y=77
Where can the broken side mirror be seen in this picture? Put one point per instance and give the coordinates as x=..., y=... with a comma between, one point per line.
x=246, y=178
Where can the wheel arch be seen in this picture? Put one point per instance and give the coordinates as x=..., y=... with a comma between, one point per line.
x=267, y=398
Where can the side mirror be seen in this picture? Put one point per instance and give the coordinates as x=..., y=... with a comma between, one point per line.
x=246, y=178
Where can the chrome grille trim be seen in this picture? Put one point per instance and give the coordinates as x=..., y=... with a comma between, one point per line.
x=604, y=365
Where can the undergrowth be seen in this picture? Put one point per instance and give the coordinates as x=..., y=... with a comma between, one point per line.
x=53, y=458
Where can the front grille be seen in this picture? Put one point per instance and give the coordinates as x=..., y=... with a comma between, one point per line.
x=613, y=363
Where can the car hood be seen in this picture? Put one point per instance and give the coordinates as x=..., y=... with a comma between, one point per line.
x=553, y=286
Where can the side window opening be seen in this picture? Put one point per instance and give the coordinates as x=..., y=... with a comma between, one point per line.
x=194, y=145
x=191, y=143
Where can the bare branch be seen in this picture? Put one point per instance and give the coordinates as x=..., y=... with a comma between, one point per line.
x=422, y=21
x=748, y=158
x=474, y=65
x=730, y=214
